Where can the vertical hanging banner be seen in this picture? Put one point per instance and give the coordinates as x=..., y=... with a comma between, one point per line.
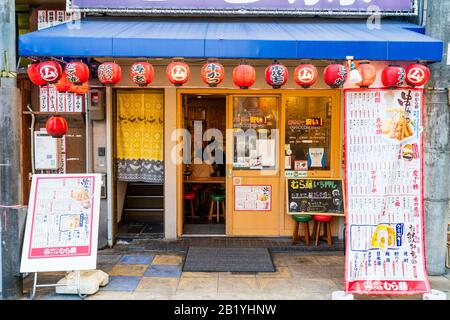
x=385, y=245
x=62, y=223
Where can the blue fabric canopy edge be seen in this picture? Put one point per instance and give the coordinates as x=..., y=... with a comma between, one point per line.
x=261, y=38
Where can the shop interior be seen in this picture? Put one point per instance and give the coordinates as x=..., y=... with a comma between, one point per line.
x=204, y=168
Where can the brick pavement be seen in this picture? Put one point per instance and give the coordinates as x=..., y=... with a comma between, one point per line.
x=139, y=273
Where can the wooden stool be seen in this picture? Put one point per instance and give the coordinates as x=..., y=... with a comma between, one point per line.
x=198, y=189
x=190, y=196
x=305, y=220
x=326, y=221
x=217, y=198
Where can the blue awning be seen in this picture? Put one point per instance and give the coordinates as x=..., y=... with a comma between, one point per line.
x=252, y=38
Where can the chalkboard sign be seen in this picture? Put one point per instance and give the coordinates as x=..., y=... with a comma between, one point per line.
x=315, y=196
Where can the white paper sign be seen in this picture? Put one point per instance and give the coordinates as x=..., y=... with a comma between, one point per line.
x=252, y=198
x=384, y=179
x=61, y=230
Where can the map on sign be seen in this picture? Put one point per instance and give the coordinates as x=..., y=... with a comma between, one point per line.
x=62, y=223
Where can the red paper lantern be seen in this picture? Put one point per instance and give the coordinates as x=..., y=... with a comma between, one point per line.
x=77, y=72
x=50, y=71
x=109, y=73
x=142, y=73
x=417, y=75
x=56, y=126
x=63, y=85
x=335, y=75
x=306, y=75
x=368, y=74
x=393, y=76
x=178, y=73
x=244, y=76
x=276, y=75
x=213, y=73
x=33, y=74
x=80, y=89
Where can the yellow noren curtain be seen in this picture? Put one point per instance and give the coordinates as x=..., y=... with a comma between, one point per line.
x=139, y=136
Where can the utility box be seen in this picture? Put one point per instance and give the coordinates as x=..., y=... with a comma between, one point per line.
x=96, y=104
x=47, y=151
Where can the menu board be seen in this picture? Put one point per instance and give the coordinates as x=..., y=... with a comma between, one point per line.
x=252, y=198
x=315, y=196
x=50, y=100
x=384, y=180
x=62, y=223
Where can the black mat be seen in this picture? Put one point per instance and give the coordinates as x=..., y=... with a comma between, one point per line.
x=204, y=229
x=206, y=259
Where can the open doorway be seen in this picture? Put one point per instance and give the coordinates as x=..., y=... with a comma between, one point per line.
x=204, y=195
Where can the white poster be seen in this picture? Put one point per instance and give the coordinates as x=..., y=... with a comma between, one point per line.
x=252, y=198
x=384, y=179
x=43, y=99
x=61, y=230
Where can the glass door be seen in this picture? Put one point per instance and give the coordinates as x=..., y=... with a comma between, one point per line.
x=253, y=165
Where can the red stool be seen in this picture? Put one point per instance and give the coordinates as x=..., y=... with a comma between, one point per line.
x=326, y=221
x=198, y=189
x=190, y=196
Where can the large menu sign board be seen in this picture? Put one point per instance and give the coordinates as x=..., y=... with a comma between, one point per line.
x=384, y=187
x=62, y=223
x=240, y=7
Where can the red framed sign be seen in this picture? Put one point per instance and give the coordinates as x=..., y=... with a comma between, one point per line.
x=61, y=230
x=385, y=246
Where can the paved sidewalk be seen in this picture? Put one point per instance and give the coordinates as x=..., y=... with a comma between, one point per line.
x=153, y=275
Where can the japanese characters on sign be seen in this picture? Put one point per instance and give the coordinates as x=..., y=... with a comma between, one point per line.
x=384, y=167
x=321, y=196
x=252, y=198
x=62, y=223
x=50, y=100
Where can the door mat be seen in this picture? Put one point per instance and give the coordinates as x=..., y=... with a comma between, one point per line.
x=206, y=259
x=204, y=229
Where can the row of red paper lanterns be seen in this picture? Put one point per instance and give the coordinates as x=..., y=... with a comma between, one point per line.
x=76, y=74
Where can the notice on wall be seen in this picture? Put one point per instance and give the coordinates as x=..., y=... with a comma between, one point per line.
x=315, y=196
x=62, y=223
x=51, y=100
x=384, y=179
x=252, y=198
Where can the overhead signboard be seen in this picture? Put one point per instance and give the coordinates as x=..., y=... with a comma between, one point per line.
x=62, y=223
x=385, y=251
x=248, y=7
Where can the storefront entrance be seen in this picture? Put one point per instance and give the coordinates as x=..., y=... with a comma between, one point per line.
x=204, y=197
x=267, y=137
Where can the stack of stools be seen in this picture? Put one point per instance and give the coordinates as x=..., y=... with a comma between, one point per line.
x=305, y=220
x=216, y=200
x=326, y=221
x=191, y=197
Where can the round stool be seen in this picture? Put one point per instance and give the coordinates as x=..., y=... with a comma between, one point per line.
x=218, y=199
x=198, y=189
x=190, y=196
x=326, y=221
x=305, y=220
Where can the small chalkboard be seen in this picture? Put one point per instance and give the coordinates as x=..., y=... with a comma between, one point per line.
x=315, y=196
